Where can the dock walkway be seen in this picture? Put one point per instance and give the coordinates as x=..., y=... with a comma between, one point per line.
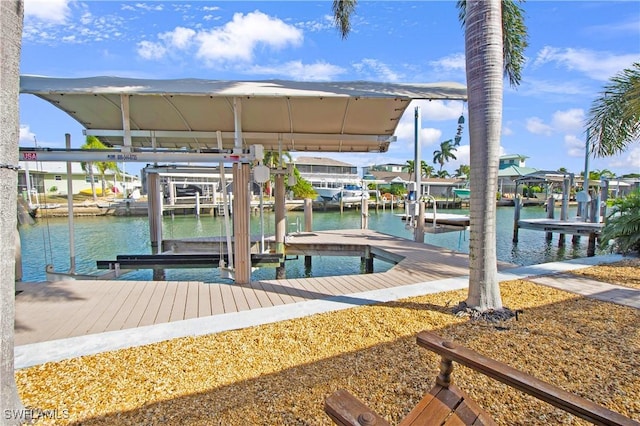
x=67, y=319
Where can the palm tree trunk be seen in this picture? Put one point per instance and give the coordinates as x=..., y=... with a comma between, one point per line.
x=11, y=16
x=484, y=67
x=93, y=182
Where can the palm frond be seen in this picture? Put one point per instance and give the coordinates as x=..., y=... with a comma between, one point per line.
x=342, y=12
x=614, y=117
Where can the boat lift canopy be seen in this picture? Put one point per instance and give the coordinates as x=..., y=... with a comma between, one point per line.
x=279, y=115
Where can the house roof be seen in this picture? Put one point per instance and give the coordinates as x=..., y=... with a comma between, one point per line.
x=355, y=116
x=320, y=161
x=403, y=177
x=514, y=171
x=513, y=156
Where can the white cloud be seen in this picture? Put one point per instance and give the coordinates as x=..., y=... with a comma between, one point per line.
x=629, y=159
x=180, y=37
x=536, y=126
x=53, y=11
x=317, y=25
x=151, y=50
x=296, y=70
x=26, y=135
x=438, y=110
x=594, y=64
x=238, y=38
x=157, y=7
x=575, y=146
x=550, y=89
x=372, y=69
x=571, y=120
x=455, y=62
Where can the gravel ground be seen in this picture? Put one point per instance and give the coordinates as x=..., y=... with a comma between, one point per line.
x=280, y=374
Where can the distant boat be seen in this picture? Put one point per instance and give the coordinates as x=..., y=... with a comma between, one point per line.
x=462, y=193
x=349, y=193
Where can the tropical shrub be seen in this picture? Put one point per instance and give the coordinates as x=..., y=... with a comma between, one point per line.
x=622, y=225
x=302, y=188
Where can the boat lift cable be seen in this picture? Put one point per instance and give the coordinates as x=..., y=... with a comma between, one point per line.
x=225, y=198
x=46, y=233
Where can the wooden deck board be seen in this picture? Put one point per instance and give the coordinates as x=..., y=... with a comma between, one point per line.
x=128, y=306
x=150, y=313
x=192, y=302
x=215, y=296
x=76, y=318
x=239, y=298
x=105, y=316
x=228, y=302
x=166, y=305
x=267, y=289
x=204, y=300
x=262, y=296
x=179, y=302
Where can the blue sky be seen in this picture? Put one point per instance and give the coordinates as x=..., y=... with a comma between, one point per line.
x=575, y=47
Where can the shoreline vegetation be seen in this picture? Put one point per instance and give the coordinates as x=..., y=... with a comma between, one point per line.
x=280, y=373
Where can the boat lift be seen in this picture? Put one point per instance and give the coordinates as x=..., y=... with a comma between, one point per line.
x=255, y=153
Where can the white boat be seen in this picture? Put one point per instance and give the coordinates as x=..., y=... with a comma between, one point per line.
x=462, y=193
x=349, y=193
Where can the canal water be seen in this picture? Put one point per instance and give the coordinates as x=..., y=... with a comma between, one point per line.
x=105, y=237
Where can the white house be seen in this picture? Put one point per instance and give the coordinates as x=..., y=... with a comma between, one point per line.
x=50, y=177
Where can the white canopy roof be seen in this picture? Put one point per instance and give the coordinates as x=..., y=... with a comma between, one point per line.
x=294, y=116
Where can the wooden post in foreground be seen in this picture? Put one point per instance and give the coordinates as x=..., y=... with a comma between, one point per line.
x=308, y=226
x=516, y=216
x=280, y=216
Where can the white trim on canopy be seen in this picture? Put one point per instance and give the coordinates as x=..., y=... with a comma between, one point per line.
x=280, y=115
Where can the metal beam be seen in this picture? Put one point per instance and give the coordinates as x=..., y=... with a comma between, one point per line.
x=85, y=155
x=187, y=134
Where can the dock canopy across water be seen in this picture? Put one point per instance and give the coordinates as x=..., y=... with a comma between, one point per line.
x=279, y=115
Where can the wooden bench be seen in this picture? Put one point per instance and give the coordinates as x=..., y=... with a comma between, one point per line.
x=445, y=404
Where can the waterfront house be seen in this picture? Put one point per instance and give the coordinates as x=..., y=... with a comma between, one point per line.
x=511, y=168
x=328, y=174
x=389, y=167
x=51, y=178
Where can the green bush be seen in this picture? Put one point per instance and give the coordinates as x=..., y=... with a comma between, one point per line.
x=622, y=225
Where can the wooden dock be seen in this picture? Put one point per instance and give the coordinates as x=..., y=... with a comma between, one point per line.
x=51, y=311
x=571, y=227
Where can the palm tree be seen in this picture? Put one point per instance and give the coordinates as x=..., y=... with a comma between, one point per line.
x=11, y=16
x=614, y=117
x=273, y=160
x=411, y=168
x=91, y=142
x=427, y=169
x=444, y=154
x=495, y=39
x=463, y=170
x=103, y=167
